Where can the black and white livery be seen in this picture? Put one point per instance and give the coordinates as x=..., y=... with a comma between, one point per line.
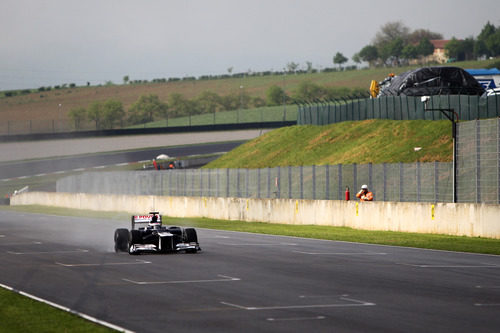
x=149, y=235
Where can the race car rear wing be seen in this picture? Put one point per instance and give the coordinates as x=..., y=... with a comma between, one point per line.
x=144, y=220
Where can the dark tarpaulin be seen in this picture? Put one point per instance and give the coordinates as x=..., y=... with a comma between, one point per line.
x=433, y=81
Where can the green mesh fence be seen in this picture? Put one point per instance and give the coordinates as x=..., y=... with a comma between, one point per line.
x=398, y=108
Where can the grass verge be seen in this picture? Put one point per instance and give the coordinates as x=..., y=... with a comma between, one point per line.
x=19, y=313
x=417, y=240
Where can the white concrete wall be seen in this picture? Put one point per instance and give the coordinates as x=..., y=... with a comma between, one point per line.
x=475, y=220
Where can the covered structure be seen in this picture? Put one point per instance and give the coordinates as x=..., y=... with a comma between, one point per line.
x=432, y=81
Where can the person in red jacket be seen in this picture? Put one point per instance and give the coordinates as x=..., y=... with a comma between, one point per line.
x=364, y=194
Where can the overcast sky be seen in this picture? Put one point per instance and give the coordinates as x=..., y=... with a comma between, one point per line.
x=51, y=42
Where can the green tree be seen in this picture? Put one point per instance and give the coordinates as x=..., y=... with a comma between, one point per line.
x=78, y=115
x=308, y=91
x=409, y=52
x=258, y=102
x=145, y=108
x=125, y=79
x=208, y=102
x=420, y=34
x=180, y=106
x=481, y=48
x=392, y=51
x=112, y=113
x=95, y=113
x=275, y=95
x=309, y=66
x=493, y=43
x=230, y=102
x=460, y=49
x=339, y=59
x=292, y=67
x=369, y=53
x=356, y=58
x=425, y=47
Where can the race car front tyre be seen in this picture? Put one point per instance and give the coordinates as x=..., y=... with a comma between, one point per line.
x=190, y=235
x=121, y=240
x=135, y=237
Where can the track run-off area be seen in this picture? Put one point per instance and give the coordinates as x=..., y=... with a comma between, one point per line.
x=248, y=282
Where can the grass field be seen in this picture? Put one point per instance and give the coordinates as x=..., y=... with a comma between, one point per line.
x=20, y=314
x=369, y=141
x=263, y=114
x=55, y=104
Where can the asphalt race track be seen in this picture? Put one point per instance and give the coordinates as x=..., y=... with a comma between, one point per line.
x=54, y=165
x=249, y=282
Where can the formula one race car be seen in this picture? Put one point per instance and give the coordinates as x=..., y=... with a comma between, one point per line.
x=153, y=237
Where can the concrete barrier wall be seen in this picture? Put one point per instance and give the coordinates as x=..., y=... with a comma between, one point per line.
x=475, y=220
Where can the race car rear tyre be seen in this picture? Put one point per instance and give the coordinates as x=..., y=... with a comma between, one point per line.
x=121, y=240
x=190, y=235
x=135, y=237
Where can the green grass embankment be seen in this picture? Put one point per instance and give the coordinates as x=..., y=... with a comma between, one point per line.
x=369, y=141
x=22, y=314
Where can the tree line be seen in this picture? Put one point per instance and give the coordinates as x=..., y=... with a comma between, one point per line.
x=148, y=108
x=395, y=44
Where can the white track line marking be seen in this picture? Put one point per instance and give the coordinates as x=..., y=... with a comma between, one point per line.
x=493, y=304
x=488, y=287
x=258, y=244
x=144, y=161
x=48, y=252
x=451, y=266
x=79, y=169
x=296, y=318
x=59, y=172
x=122, y=164
x=41, y=175
x=353, y=303
x=224, y=279
x=100, y=167
x=63, y=308
x=344, y=253
x=137, y=262
x=17, y=244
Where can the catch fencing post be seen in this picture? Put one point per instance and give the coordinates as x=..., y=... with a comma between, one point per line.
x=436, y=181
x=327, y=182
x=340, y=180
x=227, y=183
x=258, y=183
x=289, y=182
x=314, y=182
x=247, y=174
x=385, y=180
x=301, y=175
x=268, y=183
x=400, y=181
x=355, y=176
x=417, y=171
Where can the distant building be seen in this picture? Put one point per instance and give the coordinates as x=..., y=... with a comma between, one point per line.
x=439, y=54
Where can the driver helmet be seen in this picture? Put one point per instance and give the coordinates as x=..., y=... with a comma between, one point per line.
x=364, y=187
x=154, y=221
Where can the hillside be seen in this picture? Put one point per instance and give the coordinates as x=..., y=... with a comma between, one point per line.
x=55, y=104
x=375, y=141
